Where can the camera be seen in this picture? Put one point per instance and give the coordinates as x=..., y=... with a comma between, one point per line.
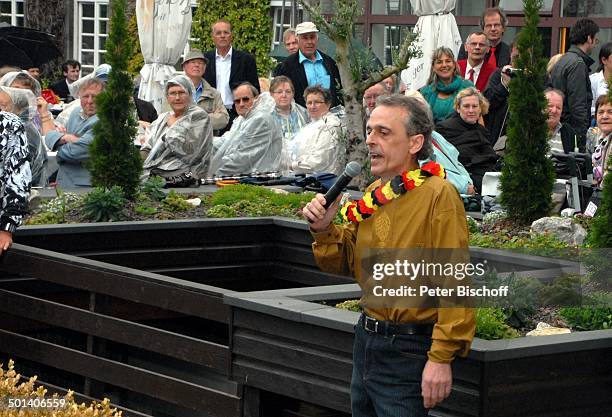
x=511, y=72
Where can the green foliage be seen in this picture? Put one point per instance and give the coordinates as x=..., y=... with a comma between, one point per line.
x=251, y=27
x=55, y=210
x=491, y=325
x=501, y=240
x=145, y=210
x=351, y=305
x=153, y=188
x=114, y=160
x=600, y=235
x=472, y=225
x=236, y=193
x=103, y=205
x=45, y=218
x=594, y=318
x=528, y=175
x=174, y=202
x=136, y=60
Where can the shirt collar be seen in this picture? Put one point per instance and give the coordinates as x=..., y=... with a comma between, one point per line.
x=475, y=68
x=302, y=57
x=229, y=53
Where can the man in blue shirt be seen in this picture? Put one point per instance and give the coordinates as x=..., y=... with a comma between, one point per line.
x=309, y=66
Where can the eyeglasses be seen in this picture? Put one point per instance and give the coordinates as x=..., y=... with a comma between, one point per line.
x=492, y=25
x=314, y=103
x=242, y=100
x=177, y=94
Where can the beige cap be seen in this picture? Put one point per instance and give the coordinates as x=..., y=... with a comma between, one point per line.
x=195, y=54
x=305, y=27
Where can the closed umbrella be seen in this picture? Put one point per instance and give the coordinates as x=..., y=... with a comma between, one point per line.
x=163, y=29
x=436, y=27
x=25, y=48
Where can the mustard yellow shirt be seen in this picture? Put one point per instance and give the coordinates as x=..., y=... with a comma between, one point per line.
x=429, y=216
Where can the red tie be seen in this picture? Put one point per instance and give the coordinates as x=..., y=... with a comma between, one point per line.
x=471, y=75
x=492, y=59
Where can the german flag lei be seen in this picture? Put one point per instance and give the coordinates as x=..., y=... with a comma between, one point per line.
x=358, y=211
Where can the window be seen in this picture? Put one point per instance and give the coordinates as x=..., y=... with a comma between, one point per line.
x=586, y=8
x=11, y=11
x=386, y=40
x=516, y=6
x=469, y=8
x=281, y=20
x=392, y=7
x=91, y=23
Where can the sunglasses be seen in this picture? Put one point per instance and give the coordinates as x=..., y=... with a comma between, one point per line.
x=242, y=100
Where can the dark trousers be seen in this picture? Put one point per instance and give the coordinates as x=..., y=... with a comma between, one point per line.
x=232, y=115
x=387, y=374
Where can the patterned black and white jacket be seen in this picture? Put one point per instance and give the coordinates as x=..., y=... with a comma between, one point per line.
x=15, y=176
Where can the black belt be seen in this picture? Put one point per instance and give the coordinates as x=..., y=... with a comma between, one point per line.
x=387, y=328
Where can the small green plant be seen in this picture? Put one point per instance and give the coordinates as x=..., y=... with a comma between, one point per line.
x=351, y=305
x=491, y=325
x=153, y=188
x=145, y=210
x=472, y=225
x=174, y=202
x=588, y=318
x=102, y=205
x=46, y=217
x=222, y=211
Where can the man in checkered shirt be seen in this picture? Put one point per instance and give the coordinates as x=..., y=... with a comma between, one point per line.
x=15, y=177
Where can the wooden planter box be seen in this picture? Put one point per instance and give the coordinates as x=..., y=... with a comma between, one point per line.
x=216, y=318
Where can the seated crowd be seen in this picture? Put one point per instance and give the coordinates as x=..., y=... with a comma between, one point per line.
x=216, y=120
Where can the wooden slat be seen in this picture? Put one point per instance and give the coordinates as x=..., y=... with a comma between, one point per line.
x=208, y=354
x=208, y=402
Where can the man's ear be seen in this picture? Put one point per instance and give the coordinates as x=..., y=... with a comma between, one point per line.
x=417, y=143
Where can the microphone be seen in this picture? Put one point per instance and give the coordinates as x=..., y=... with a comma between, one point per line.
x=351, y=170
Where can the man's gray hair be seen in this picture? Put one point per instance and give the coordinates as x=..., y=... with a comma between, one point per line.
x=418, y=121
x=555, y=91
x=91, y=82
x=253, y=89
x=478, y=33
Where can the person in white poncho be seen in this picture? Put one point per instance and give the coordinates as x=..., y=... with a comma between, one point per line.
x=254, y=142
x=318, y=147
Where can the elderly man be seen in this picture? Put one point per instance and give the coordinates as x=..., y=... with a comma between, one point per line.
x=562, y=137
x=493, y=22
x=229, y=67
x=475, y=68
x=402, y=355
x=255, y=141
x=571, y=76
x=72, y=142
x=15, y=177
x=207, y=97
x=309, y=66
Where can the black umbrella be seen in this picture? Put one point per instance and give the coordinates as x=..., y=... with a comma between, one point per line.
x=25, y=47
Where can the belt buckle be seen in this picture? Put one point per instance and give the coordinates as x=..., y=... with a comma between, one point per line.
x=368, y=328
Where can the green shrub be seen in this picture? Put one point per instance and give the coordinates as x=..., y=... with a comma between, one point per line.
x=46, y=217
x=153, y=188
x=588, y=318
x=145, y=210
x=174, y=202
x=491, y=325
x=222, y=211
x=351, y=305
x=472, y=225
x=102, y=205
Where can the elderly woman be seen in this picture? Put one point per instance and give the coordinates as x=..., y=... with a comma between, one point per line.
x=444, y=84
x=179, y=142
x=601, y=153
x=23, y=80
x=470, y=138
x=318, y=147
x=23, y=104
x=289, y=115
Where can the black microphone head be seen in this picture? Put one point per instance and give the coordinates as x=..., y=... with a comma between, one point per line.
x=352, y=169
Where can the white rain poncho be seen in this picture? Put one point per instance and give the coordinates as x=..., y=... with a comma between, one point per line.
x=436, y=27
x=23, y=104
x=9, y=78
x=187, y=144
x=100, y=72
x=253, y=144
x=317, y=148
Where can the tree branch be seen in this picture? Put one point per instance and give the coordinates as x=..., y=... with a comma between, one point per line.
x=319, y=20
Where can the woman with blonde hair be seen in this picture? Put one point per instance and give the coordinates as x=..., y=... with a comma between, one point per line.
x=470, y=138
x=444, y=84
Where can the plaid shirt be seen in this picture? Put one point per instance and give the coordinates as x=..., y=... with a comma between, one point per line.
x=15, y=176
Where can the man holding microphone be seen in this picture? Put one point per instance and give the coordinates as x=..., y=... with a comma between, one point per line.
x=402, y=355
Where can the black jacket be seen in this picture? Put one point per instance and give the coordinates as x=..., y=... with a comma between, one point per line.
x=571, y=76
x=295, y=71
x=502, y=54
x=472, y=141
x=496, y=120
x=60, y=88
x=243, y=69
